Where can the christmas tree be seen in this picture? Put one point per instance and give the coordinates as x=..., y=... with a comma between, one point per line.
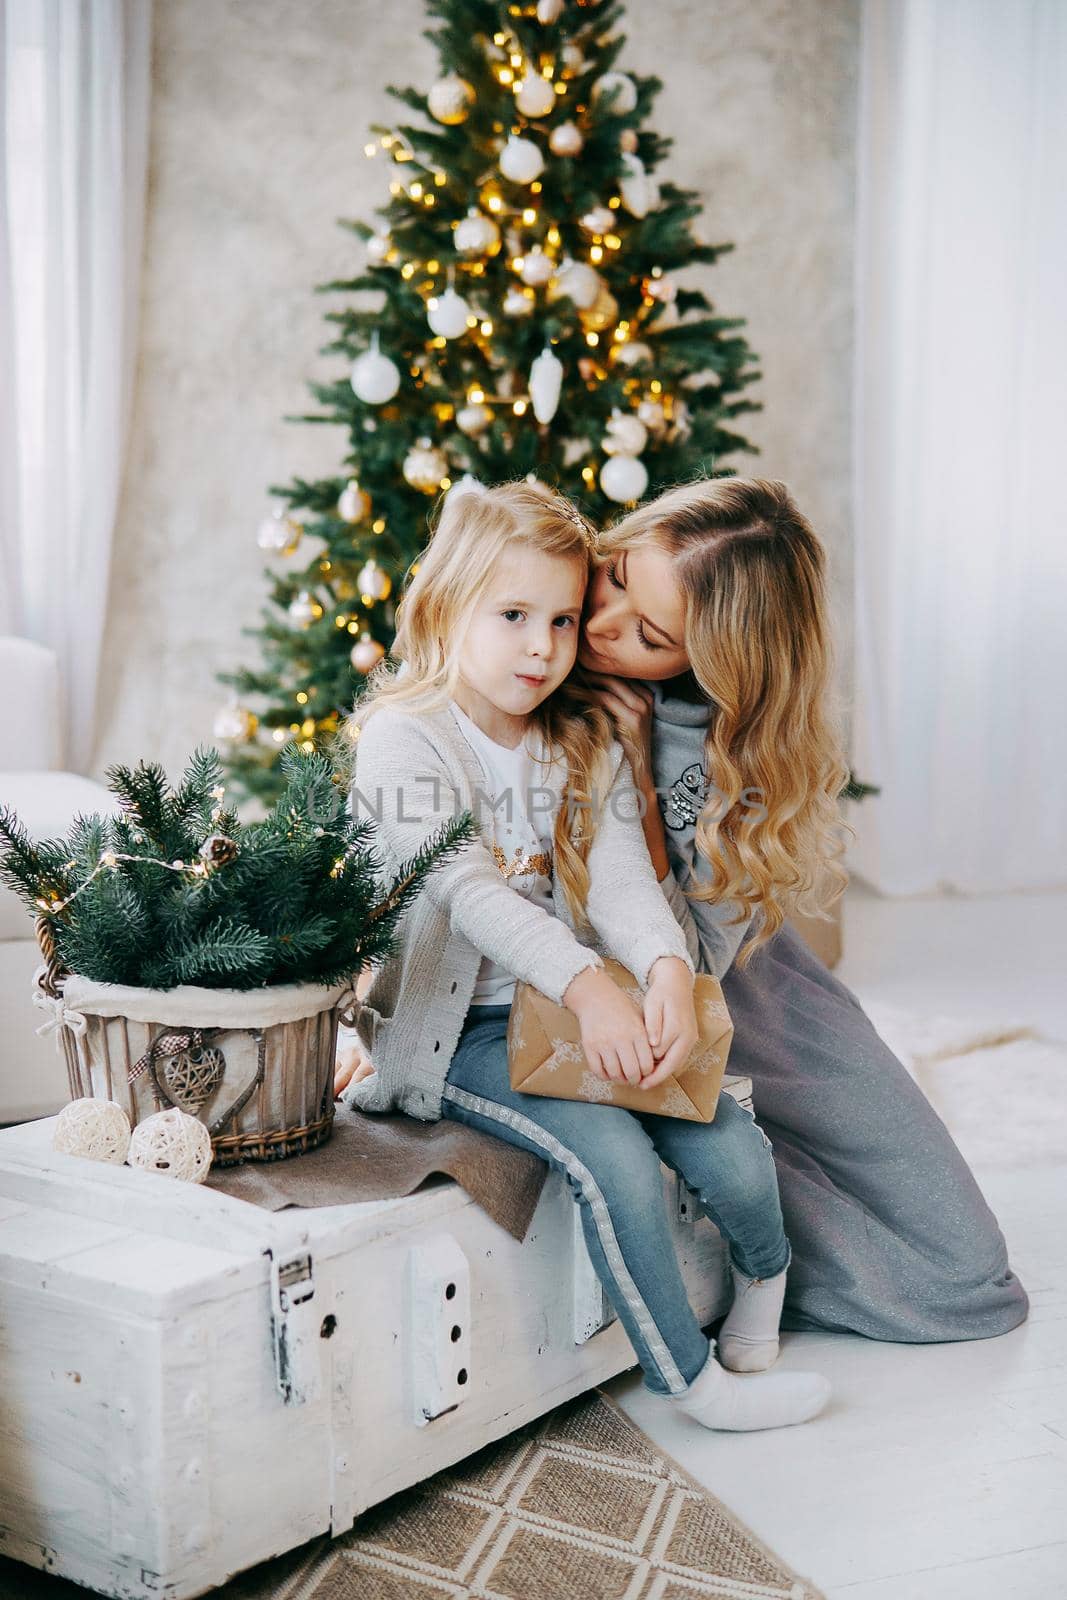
x=519, y=311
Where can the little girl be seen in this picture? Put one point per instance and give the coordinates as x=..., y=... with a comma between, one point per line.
x=481, y=718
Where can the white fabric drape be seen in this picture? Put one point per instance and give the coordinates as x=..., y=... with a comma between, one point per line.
x=74, y=80
x=960, y=447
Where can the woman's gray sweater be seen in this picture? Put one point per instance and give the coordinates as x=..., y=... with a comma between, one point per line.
x=412, y=773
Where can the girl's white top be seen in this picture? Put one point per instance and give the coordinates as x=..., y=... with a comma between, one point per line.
x=415, y=771
x=522, y=817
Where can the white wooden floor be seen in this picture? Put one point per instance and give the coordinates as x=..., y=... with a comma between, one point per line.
x=939, y=1472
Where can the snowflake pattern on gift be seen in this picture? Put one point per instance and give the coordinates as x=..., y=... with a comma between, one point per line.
x=675, y=1102
x=594, y=1088
x=563, y=1050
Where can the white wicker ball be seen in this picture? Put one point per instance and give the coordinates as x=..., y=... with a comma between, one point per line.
x=96, y=1129
x=172, y=1144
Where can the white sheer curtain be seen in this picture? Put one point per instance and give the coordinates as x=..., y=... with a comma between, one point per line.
x=961, y=445
x=74, y=81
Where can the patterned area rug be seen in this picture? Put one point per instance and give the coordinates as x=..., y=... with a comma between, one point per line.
x=580, y=1505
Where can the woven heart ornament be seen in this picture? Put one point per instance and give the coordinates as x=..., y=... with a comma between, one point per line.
x=191, y=1077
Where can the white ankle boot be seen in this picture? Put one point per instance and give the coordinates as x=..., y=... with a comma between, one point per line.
x=718, y=1399
x=748, y=1339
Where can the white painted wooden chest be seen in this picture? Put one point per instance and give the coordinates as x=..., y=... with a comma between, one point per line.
x=191, y=1384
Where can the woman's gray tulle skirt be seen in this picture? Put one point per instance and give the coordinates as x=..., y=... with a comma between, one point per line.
x=891, y=1235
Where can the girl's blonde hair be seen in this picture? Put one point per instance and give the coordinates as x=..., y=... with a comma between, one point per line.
x=473, y=530
x=753, y=578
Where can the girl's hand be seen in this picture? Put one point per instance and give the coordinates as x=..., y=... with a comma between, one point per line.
x=670, y=1017
x=630, y=707
x=613, y=1030
x=352, y=1064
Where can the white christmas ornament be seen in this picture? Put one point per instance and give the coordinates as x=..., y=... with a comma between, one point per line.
x=546, y=380
x=366, y=653
x=172, y=1144
x=572, y=58
x=477, y=235
x=632, y=353
x=566, y=140
x=598, y=221
x=652, y=414
x=517, y=304
x=535, y=96
x=578, y=282
x=623, y=88
x=378, y=247
x=96, y=1129
x=664, y=289
x=353, y=503
x=375, y=379
x=521, y=161
x=537, y=268
x=639, y=192
x=623, y=479
x=603, y=313
x=450, y=100
x=473, y=420
x=447, y=314
x=425, y=466
x=233, y=722
x=279, y=534
x=624, y=435
x=628, y=140
x=549, y=11
x=303, y=610
x=373, y=582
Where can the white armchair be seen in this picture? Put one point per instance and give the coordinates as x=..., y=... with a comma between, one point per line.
x=33, y=1078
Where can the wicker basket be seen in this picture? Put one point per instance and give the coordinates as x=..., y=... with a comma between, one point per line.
x=256, y=1066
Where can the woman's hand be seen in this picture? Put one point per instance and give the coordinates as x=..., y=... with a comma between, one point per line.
x=352, y=1064
x=630, y=707
x=670, y=1017
x=613, y=1030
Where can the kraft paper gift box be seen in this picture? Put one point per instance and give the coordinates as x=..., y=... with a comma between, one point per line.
x=545, y=1053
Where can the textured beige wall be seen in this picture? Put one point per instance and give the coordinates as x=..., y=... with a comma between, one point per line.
x=259, y=118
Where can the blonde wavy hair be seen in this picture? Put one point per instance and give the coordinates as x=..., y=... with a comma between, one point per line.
x=473, y=530
x=753, y=577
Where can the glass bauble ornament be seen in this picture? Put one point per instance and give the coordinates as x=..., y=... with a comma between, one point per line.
x=624, y=479
x=375, y=379
x=517, y=304
x=537, y=268
x=535, y=96
x=450, y=100
x=625, y=435
x=447, y=314
x=304, y=609
x=473, y=420
x=477, y=235
x=521, y=161
x=279, y=534
x=425, y=467
x=566, y=140
x=374, y=582
x=577, y=281
x=366, y=653
x=632, y=353
x=234, y=723
x=603, y=313
x=353, y=503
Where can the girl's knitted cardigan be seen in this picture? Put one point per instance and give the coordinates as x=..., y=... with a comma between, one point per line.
x=413, y=772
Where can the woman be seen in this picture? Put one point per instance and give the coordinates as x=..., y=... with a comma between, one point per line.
x=705, y=637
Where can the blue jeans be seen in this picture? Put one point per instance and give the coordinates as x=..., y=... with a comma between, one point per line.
x=611, y=1159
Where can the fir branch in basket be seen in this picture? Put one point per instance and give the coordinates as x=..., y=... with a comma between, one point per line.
x=176, y=890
